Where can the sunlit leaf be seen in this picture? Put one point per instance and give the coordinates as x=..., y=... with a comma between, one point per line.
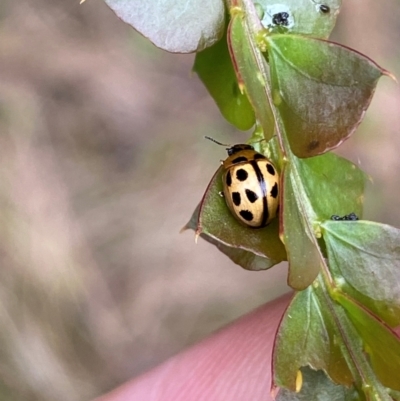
x=306, y=337
x=214, y=67
x=321, y=89
x=318, y=387
x=248, y=63
x=215, y=221
x=302, y=251
x=304, y=16
x=364, y=258
x=246, y=259
x=332, y=184
x=314, y=189
x=174, y=25
x=380, y=342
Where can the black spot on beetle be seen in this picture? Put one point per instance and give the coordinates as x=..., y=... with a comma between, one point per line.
x=251, y=196
x=239, y=159
x=259, y=156
x=236, y=198
x=324, y=9
x=246, y=214
x=228, y=179
x=274, y=191
x=241, y=174
x=270, y=169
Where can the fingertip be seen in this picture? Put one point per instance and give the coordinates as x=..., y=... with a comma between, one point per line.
x=231, y=365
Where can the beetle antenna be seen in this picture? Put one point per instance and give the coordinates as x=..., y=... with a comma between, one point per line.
x=260, y=140
x=213, y=140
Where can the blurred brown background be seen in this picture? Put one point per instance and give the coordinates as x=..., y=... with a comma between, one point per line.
x=102, y=161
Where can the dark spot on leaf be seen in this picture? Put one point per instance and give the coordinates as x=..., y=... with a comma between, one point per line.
x=246, y=214
x=324, y=9
x=239, y=160
x=335, y=217
x=251, y=196
x=281, y=19
x=274, y=191
x=259, y=156
x=270, y=169
x=236, y=198
x=228, y=179
x=241, y=175
x=313, y=145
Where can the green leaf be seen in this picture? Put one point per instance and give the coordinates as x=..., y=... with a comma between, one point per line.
x=364, y=259
x=253, y=249
x=395, y=395
x=380, y=342
x=332, y=184
x=214, y=67
x=305, y=17
x=321, y=89
x=174, y=25
x=241, y=257
x=249, y=63
x=318, y=387
x=301, y=246
x=313, y=190
x=307, y=337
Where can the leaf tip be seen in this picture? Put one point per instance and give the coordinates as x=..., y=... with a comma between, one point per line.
x=390, y=75
x=184, y=228
x=187, y=227
x=197, y=235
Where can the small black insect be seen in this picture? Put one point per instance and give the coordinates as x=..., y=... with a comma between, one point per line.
x=347, y=217
x=351, y=217
x=324, y=8
x=281, y=19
